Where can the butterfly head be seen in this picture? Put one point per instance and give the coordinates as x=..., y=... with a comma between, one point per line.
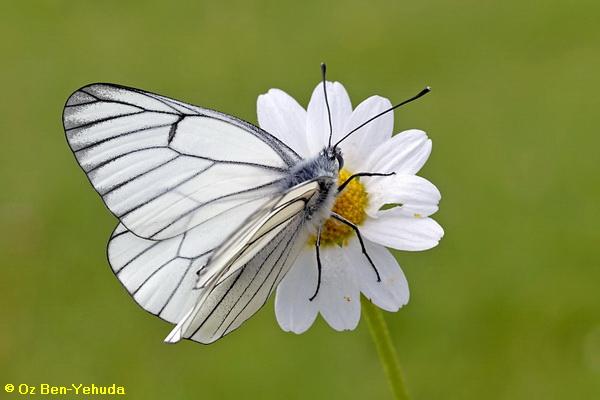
x=334, y=154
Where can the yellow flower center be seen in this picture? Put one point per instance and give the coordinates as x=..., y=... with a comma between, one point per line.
x=350, y=204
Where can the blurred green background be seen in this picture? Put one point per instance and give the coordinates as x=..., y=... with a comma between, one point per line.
x=507, y=307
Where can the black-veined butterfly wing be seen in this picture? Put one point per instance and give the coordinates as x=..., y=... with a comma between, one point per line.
x=159, y=274
x=163, y=166
x=243, y=272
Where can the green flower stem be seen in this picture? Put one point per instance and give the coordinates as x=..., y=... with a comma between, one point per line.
x=385, y=349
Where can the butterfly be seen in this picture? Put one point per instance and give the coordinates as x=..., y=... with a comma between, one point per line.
x=212, y=210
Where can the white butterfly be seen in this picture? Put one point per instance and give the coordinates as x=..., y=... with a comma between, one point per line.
x=213, y=210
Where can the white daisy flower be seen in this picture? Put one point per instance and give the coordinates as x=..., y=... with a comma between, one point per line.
x=346, y=271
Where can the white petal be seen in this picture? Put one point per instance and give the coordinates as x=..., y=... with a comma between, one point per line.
x=418, y=197
x=339, y=298
x=282, y=116
x=317, y=123
x=294, y=312
x=391, y=292
x=404, y=153
x=368, y=138
x=402, y=233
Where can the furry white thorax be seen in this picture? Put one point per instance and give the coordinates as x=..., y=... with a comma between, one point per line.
x=323, y=168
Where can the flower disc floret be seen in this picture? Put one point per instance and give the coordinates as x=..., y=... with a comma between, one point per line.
x=351, y=204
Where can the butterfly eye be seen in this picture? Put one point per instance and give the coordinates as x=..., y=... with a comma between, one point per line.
x=340, y=160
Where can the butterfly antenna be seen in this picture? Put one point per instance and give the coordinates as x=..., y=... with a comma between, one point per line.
x=324, y=74
x=420, y=94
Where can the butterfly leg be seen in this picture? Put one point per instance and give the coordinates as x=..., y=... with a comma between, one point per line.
x=319, y=266
x=354, y=176
x=360, y=239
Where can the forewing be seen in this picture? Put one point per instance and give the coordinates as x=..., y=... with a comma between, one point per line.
x=164, y=167
x=244, y=271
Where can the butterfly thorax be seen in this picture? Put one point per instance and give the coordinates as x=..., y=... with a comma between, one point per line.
x=324, y=169
x=324, y=165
